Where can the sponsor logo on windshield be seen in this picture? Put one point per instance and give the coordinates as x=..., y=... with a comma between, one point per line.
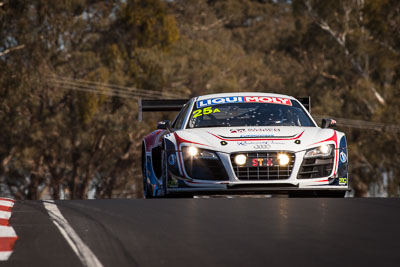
x=243, y=99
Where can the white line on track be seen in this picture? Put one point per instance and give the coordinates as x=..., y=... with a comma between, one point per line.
x=81, y=250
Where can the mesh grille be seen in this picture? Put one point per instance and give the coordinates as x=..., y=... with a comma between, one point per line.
x=263, y=172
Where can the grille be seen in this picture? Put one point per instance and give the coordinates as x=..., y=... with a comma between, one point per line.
x=316, y=167
x=263, y=172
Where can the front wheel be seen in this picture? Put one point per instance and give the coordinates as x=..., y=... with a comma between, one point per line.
x=164, y=172
x=146, y=187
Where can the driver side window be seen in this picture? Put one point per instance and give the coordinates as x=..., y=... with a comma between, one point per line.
x=181, y=117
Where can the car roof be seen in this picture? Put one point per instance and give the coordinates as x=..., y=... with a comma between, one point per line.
x=203, y=97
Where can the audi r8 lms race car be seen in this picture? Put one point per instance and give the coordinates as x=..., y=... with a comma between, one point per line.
x=241, y=143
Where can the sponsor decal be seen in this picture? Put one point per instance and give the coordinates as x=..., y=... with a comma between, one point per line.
x=262, y=162
x=244, y=143
x=256, y=135
x=173, y=183
x=343, y=181
x=237, y=130
x=260, y=143
x=224, y=138
x=254, y=130
x=343, y=157
x=263, y=130
x=267, y=146
x=204, y=111
x=172, y=159
x=243, y=99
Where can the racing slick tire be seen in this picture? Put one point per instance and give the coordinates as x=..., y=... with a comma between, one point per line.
x=164, y=172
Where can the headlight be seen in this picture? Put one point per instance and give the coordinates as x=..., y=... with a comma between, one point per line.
x=283, y=159
x=197, y=153
x=192, y=151
x=322, y=151
x=240, y=159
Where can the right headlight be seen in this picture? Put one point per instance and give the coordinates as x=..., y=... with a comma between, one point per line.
x=321, y=151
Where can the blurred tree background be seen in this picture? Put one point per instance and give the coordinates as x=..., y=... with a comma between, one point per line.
x=72, y=71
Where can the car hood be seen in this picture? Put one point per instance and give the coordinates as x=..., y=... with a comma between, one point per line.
x=230, y=139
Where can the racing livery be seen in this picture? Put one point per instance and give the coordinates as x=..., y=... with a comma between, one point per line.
x=237, y=143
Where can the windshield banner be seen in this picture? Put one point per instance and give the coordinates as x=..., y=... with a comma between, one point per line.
x=243, y=99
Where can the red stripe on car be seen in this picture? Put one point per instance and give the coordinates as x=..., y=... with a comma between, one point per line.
x=180, y=140
x=334, y=139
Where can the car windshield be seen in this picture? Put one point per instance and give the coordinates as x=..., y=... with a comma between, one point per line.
x=249, y=114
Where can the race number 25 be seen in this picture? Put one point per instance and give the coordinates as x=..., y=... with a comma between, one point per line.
x=204, y=111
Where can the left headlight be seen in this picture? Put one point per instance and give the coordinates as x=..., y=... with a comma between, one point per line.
x=197, y=153
x=321, y=151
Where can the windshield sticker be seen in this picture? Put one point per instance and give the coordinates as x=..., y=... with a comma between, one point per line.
x=204, y=111
x=243, y=99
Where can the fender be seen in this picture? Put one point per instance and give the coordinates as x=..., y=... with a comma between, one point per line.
x=151, y=141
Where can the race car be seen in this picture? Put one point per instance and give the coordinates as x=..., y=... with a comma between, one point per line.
x=243, y=143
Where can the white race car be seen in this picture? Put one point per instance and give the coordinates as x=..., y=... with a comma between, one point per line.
x=241, y=143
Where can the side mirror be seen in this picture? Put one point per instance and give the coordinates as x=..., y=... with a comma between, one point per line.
x=165, y=125
x=328, y=123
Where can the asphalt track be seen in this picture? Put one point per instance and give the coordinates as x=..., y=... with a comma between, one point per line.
x=213, y=232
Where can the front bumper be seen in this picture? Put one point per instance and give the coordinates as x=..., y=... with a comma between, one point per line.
x=179, y=181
